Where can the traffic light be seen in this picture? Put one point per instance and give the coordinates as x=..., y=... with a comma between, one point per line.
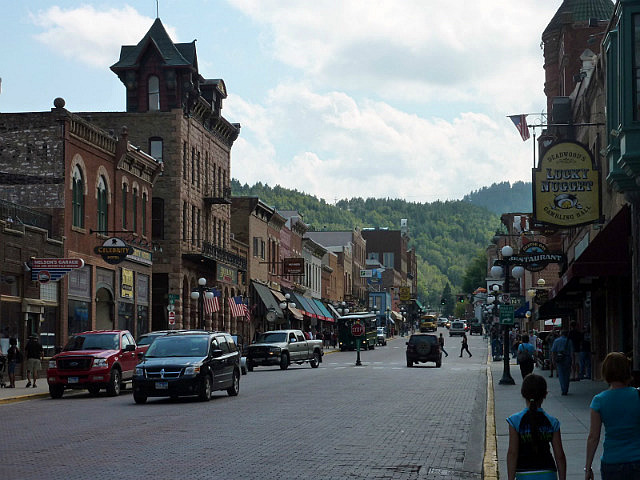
x=461, y=298
x=443, y=301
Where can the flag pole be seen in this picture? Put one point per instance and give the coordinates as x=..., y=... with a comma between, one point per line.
x=534, y=147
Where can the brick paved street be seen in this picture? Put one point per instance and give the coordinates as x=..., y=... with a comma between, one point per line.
x=379, y=421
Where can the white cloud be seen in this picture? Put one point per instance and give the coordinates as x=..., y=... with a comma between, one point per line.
x=92, y=36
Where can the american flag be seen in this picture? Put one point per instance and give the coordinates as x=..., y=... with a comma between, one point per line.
x=212, y=304
x=238, y=309
x=520, y=121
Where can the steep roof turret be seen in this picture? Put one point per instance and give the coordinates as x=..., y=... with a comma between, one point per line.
x=579, y=11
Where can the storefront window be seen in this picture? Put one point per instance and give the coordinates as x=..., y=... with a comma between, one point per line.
x=142, y=320
x=48, y=331
x=78, y=317
x=125, y=316
x=9, y=285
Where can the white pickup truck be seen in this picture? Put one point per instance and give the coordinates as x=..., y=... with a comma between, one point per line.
x=284, y=347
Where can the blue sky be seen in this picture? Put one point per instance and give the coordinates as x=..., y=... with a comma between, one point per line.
x=336, y=98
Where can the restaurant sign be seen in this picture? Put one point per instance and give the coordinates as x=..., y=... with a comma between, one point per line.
x=566, y=186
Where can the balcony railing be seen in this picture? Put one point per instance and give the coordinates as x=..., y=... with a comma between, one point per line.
x=222, y=255
x=20, y=215
x=218, y=196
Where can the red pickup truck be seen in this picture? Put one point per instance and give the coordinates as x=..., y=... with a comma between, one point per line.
x=94, y=360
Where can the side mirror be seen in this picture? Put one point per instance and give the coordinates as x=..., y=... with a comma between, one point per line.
x=216, y=353
x=129, y=348
x=140, y=355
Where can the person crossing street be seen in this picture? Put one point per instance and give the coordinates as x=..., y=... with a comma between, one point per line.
x=441, y=342
x=465, y=345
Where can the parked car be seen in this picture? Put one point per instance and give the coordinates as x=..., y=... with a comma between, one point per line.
x=284, y=347
x=146, y=339
x=457, y=328
x=241, y=348
x=382, y=338
x=94, y=360
x=423, y=347
x=189, y=363
x=475, y=327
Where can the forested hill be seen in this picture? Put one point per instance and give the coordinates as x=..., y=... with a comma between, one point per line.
x=445, y=235
x=503, y=197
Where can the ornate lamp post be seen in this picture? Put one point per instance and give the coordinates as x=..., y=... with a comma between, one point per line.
x=285, y=306
x=199, y=294
x=503, y=267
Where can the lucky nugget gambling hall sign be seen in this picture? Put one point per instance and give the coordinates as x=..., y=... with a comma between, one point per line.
x=566, y=186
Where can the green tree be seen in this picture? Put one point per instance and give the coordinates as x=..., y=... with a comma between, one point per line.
x=476, y=273
x=447, y=300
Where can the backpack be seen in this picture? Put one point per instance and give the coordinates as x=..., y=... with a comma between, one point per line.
x=524, y=355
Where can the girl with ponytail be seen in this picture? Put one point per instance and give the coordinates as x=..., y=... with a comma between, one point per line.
x=531, y=432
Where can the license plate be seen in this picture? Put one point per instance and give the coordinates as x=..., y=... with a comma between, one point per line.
x=162, y=385
x=72, y=380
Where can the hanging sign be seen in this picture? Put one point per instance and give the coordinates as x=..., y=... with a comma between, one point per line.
x=44, y=270
x=114, y=250
x=566, y=186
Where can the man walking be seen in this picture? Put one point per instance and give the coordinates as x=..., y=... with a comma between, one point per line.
x=34, y=352
x=561, y=356
x=441, y=342
x=465, y=345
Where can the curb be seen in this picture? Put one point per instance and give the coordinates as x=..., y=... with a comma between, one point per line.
x=21, y=398
x=490, y=461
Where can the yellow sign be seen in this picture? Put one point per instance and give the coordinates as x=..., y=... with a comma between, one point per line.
x=566, y=186
x=405, y=294
x=126, y=283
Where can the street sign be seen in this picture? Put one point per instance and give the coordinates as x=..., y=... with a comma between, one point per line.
x=357, y=329
x=173, y=297
x=405, y=294
x=171, y=308
x=172, y=318
x=53, y=269
x=506, y=314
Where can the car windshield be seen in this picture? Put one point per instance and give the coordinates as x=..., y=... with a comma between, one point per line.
x=275, y=337
x=146, y=340
x=96, y=341
x=179, y=346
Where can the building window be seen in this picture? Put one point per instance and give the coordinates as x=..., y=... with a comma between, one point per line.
x=256, y=241
x=262, y=245
x=154, y=94
x=184, y=160
x=134, y=205
x=373, y=256
x=102, y=206
x=145, y=202
x=387, y=259
x=193, y=166
x=77, y=198
x=155, y=148
x=636, y=65
x=157, y=218
x=198, y=169
x=124, y=206
x=193, y=224
x=184, y=221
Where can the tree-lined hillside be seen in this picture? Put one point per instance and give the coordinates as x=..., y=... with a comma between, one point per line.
x=445, y=235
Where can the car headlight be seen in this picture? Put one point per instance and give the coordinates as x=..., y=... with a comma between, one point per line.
x=139, y=372
x=52, y=364
x=100, y=362
x=193, y=370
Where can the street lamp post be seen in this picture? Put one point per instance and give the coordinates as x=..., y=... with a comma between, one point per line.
x=403, y=312
x=199, y=294
x=285, y=306
x=386, y=321
x=503, y=266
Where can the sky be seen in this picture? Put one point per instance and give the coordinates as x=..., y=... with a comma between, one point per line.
x=336, y=98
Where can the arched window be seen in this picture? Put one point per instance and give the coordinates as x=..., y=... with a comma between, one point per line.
x=144, y=213
x=154, y=94
x=124, y=206
x=134, y=202
x=77, y=198
x=102, y=206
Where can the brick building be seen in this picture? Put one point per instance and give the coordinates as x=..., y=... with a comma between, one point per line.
x=91, y=183
x=174, y=114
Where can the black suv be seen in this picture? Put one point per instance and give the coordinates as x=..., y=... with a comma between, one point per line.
x=423, y=347
x=189, y=363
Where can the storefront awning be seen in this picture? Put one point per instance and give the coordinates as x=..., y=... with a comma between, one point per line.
x=303, y=304
x=419, y=304
x=268, y=299
x=293, y=310
x=325, y=315
x=607, y=255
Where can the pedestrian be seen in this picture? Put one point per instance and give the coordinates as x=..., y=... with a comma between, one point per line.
x=618, y=408
x=575, y=337
x=465, y=345
x=34, y=353
x=530, y=433
x=561, y=354
x=14, y=357
x=441, y=342
x=526, y=356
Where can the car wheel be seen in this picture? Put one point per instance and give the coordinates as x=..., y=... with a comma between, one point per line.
x=139, y=398
x=315, y=361
x=113, y=388
x=94, y=390
x=205, y=389
x=439, y=364
x=250, y=366
x=234, y=389
x=409, y=363
x=56, y=391
x=284, y=361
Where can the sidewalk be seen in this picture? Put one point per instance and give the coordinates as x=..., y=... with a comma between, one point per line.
x=572, y=411
x=10, y=395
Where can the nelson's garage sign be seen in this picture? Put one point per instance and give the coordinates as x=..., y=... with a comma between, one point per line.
x=566, y=186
